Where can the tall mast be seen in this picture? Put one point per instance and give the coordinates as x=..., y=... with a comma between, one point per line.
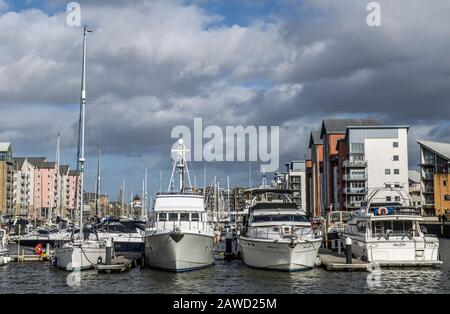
x=58, y=179
x=97, y=186
x=145, y=205
x=123, y=197
x=143, y=198
x=82, y=158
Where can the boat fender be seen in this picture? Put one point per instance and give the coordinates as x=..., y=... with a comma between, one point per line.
x=318, y=261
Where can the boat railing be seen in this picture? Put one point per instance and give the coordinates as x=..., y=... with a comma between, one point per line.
x=275, y=232
x=183, y=225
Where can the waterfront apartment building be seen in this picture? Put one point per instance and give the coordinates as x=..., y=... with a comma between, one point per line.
x=23, y=187
x=333, y=130
x=414, y=188
x=72, y=194
x=314, y=171
x=296, y=182
x=372, y=157
x=350, y=158
x=434, y=169
x=6, y=179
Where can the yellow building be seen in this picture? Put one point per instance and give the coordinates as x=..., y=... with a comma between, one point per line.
x=6, y=178
x=442, y=193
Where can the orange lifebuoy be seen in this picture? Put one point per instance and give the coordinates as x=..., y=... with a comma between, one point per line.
x=382, y=211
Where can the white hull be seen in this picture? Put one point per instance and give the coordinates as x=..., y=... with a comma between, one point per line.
x=280, y=255
x=79, y=256
x=396, y=251
x=192, y=251
x=4, y=256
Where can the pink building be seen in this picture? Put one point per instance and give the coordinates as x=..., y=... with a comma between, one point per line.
x=45, y=189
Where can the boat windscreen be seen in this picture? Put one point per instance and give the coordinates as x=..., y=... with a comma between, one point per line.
x=280, y=218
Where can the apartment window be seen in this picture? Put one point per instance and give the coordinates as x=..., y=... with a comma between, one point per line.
x=387, y=171
x=396, y=171
x=388, y=185
x=388, y=198
x=395, y=158
x=395, y=144
x=444, y=183
x=397, y=198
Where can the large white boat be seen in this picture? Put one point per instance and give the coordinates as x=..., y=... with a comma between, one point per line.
x=278, y=235
x=4, y=251
x=389, y=234
x=180, y=236
x=84, y=252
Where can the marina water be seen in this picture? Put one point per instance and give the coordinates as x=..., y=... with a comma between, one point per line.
x=228, y=277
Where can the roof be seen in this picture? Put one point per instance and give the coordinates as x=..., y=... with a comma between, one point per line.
x=439, y=148
x=45, y=165
x=414, y=176
x=340, y=125
x=314, y=138
x=35, y=160
x=63, y=169
x=4, y=147
x=308, y=154
x=73, y=172
x=19, y=162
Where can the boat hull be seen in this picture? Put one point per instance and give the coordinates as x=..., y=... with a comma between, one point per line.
x=78, y=257
x=396, y=251
x=192, y=251
x=280, y=255
x=4, y=256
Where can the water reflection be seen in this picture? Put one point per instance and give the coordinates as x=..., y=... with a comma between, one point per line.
x=226, y=277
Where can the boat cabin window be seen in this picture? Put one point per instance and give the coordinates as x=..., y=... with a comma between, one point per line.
x=268, y=218
x=195, y=217
x=162, y=217
x=184, y=217
x=397, y=227
x=173, y=216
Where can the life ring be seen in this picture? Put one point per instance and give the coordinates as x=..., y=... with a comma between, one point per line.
x=382, y=211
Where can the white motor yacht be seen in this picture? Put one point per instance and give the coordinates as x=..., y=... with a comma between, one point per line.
x=278, y=235
x=388, y=233
x=180, y=236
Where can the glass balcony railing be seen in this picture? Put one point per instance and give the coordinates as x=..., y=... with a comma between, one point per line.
x=355, y=177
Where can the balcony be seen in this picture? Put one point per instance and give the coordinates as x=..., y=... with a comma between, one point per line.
x=355, y=191
x=355, y=177
x=355, y=163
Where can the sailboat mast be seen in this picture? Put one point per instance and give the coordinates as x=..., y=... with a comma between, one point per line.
x=145, y=206
x=82, y=158
x=97, y=186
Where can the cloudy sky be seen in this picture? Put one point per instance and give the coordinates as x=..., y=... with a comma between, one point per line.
x=153, y=65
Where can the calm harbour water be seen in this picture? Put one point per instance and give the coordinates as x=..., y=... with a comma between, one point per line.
x=227, y=277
